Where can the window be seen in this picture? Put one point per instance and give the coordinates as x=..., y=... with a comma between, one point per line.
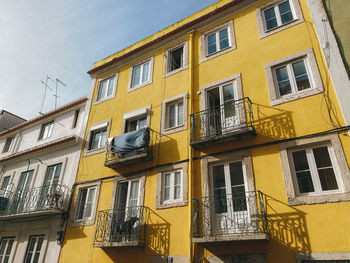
x=176, y=59
x=141, y=74
x=330, y=257
x=174, y=114
x=135, y=124
x=278, y=15
x=172, y=186
x=137, y=119
x=293, y=77
x=75, y=119
x=218, y=40
x=34, y=247
x=315, y=170
x=106, y=88
x=98, y=139
x=6, y=245
x=5, y=187
x=46, y=130
x=7, y=145
x=86, y=199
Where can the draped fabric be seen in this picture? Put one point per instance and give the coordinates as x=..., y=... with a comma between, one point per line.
x=131, y=141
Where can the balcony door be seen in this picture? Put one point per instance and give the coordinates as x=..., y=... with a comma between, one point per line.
x=126, y=218
x=50, y=194
x=22, y=195
x=223, y=116
x=229, y=208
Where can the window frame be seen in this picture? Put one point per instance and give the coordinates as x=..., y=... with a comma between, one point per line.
x=114, y=89
x=42, y=249
x=184, y=65
x=13, y=247
x=300, y=257
x=340, y=167
x=165, y=129
x=7, y=145
x=137, y=114
x=42, y=130
x=183, y=201
x=150, y=76
x=297, y=17
x=75, y=118
x=93, y=128
x=204, y=41
x=85, y=221
x=314, y=77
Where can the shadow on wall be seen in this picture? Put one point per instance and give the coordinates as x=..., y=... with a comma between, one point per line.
x=288, y=229
x=273, y=123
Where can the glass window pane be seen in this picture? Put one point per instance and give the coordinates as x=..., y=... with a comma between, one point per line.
x=212, y=44
x=142, y=123
x=136, y=76
x=145, y=74
x=270, y=18
x=134, y=190
x=177, y=192
x=110, y=86
x=301, y=76
x=166, y=193
x=236, y=174
x=175, y=59
x=102, y=90
x=180, y=113
x=285, y=12
x=177, y=178
x=223, y=37
x=81, y=206
x=218, y=177
x=171, y=122
x=325, y=168
x=167, y=180
x=283, y=81
x=103, y=138
x=302, y=171
x=131, y=126
x=3, y=246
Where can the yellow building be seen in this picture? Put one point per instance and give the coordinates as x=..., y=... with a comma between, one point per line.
x=221, y=138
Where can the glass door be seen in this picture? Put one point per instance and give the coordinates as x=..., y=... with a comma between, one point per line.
x=22, y=195
x=50, y=194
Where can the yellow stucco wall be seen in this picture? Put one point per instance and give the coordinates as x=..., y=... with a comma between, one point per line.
x=294, y=229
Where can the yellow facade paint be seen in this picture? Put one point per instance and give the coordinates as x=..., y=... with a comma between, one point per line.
x=293, y=230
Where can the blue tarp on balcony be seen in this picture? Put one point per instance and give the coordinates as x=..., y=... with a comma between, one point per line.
x=131, y=141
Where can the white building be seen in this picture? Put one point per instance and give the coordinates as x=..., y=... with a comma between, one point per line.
x=38, y=164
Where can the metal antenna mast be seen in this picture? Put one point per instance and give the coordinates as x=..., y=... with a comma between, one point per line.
x=56, y=82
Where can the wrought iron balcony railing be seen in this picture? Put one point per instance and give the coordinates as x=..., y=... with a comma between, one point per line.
x=50, y=198
x=121, y=227
x=231, y=120
x=229, y=217
x=115, y=159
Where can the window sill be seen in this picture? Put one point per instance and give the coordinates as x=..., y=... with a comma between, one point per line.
x=94, y=151
x=218, y=53
x=319, y=199
x=130, y=89
x=171, y=205
x=104, y=99
x=171, y=130
x=277, y=29
x=175, y=71
x=83, y=222
x=296, y=96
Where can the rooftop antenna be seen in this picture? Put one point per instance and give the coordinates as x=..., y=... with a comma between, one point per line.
x=56, y=82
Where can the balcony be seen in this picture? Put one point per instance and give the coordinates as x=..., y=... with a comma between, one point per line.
x=39, y=201
x=129, y=148
x=121, y=227
x=229, y=218
x=227, y=122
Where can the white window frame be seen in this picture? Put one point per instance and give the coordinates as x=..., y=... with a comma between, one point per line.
x=312, y=71
x=204, y=41
x=45, y=134
x=296, y=11
x=94, y=128
x=85, y=221
x=42, y=249
x=340, y=168
x=99, y=133
x=165, y=129
x=137, y=114
x=6, y=247
x=85, y=203
x=114, y=88
x=150, y=76
x=167, y=63
x=7, y=145
x=161, y=203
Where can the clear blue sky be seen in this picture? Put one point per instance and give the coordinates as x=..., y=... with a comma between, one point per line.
x=63, y=38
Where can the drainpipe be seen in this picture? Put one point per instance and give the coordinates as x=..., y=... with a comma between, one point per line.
x=190, y=151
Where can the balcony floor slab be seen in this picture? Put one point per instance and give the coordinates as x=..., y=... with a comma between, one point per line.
x=233, y=238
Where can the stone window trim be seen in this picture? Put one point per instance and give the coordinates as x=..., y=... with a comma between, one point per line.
x=164, y=129
x=28, y=234
x=299, y=257
x=94, y=127
x=184, y=59
x=144, y=111
x=120, y=179
x=51, y=125
x=341, y=170
x=90, y=221
x=116, y=75
x=234, y=78
x=51, y=162
x=17, y=175
x=297, y=15
x=15, y=235
x=8, y=144
x=130, y=87
x=313, y=74
x=160, y=204
x=204, y=44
